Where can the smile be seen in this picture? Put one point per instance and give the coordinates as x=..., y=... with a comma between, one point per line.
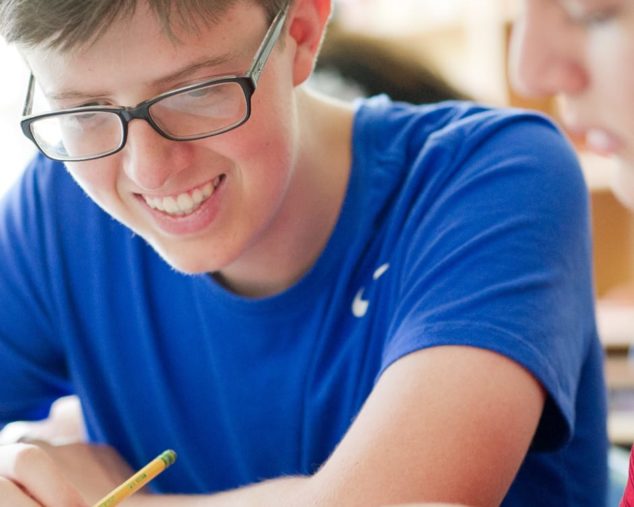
x=184, y=203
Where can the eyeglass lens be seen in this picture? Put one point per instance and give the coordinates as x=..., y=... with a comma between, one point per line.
x=191, y=114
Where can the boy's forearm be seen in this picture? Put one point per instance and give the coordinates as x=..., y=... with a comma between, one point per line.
x=284, y=492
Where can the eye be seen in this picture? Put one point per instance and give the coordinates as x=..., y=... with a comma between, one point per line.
x=203, y=92
x=596, y=14
x=599, y=17
x=208, y=94
x=84, y=121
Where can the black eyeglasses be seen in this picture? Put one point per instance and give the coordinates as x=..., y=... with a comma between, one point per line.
x=192, y=112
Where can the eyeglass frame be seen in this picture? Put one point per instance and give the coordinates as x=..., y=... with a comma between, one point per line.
x=248, y=82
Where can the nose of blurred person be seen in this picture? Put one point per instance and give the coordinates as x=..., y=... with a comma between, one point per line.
x=151, y=159
x=546, y=52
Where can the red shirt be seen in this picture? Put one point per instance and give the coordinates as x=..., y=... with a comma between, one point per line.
x=628, y=494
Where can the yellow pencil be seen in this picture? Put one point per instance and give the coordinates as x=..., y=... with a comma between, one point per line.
x=138, y=480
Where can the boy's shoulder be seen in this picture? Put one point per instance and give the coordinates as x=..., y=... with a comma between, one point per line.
x=46, y=202
x=443, y=118
x=47, y=185
x=399, y=131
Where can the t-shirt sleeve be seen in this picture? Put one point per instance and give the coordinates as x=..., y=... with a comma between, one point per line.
x=498, y=257
x=31, y=360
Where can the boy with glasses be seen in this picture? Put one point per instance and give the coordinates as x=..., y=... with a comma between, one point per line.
x=345, y=305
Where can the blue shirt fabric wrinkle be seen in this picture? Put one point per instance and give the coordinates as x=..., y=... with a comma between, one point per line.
x=461, y=225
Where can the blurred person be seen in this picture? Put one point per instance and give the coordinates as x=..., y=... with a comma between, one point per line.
x=582, y=52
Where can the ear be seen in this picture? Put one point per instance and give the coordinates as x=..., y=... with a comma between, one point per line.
x=306, y=26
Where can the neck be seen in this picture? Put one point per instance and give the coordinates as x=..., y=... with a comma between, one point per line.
x=305, y=221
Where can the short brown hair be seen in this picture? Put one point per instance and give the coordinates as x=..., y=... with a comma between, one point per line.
x=67, y=24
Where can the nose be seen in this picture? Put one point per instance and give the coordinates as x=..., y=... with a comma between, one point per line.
x=546, y=52
x=150, y=159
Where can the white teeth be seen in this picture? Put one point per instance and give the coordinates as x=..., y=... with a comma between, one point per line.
x=155, y=203
x=170, y=205
x=185, y=203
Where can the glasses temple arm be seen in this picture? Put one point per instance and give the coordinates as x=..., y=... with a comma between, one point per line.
x=28, y=103
x=268, y=44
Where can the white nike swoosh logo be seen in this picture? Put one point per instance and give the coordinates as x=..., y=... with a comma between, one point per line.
x=380, y=271
x=360, y=305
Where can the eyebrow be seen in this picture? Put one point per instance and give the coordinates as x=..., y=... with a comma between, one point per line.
x=186, y=71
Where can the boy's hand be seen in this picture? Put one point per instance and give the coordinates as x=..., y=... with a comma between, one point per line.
x=29, y=477
x=64, y=425
x=75, y=475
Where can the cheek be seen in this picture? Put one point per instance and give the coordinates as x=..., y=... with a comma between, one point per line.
x=98, y=179
x=264, y=148
x=271, y=126
x=610, y=52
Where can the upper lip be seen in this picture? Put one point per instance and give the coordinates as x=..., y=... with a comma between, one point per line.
x=597, y=139
x=572, y=120
x=582, y=130
x=575, y=127
x=173, y=193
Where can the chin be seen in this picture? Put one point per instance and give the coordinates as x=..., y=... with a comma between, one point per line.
x=187, y=264
x=622, y=182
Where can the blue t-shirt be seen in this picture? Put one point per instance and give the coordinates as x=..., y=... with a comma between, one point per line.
x=461, y=226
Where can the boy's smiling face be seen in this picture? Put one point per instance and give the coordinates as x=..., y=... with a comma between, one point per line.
x=201, y=204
